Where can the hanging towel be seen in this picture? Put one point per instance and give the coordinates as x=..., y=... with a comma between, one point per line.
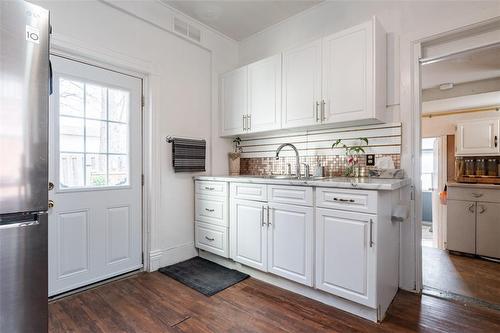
x=188, y=155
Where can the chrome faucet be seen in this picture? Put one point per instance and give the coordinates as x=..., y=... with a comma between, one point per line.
x=297, y=159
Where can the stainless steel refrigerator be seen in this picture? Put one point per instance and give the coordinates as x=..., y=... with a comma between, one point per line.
x=24, y=100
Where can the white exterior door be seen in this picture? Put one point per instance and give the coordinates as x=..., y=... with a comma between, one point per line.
x=302, y=86
x=233, y=101
x=345, y=256
x=95, y=226
x=248, y=230
x=478, y=137
x=347, y=70
x=264, y=94
x=290, y=242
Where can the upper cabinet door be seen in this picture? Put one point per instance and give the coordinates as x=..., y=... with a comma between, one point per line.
x=478, y=137
x=354, y=75
x=302, y=85
x=264, y=95
x=233, y=101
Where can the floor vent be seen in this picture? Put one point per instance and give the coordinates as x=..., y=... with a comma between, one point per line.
x=187, y=30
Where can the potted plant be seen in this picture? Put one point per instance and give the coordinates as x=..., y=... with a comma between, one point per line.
x=352, y=155
x=234, y=158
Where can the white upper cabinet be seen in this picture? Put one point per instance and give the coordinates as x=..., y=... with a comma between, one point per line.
x=233, y=100
x=477, y=137
x=354, y=75
x=339, y=80
x=302, y=85
x=264, y=95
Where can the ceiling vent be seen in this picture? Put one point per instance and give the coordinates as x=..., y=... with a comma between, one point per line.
x=187, y=30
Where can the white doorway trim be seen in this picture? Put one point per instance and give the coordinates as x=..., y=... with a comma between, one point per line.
x=415, y=125
x=76, y=50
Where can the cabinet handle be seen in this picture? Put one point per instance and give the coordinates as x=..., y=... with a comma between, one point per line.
x=471, y=208
x=268, y=219
x=244, y=123
x=496, y=141
x=317, y=112
x=343, y=200
x=210, y=239
x=323, y=116
x=263, y=223
x=249, y=122
x=483, y=209
x=209, y=188
x=209, y=210
x=371, y=233
x=477, y=195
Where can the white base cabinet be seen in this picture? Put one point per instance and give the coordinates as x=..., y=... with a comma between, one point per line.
x=291, y=242
x=345, y=255
x=248, y=233
x=338, y=244
x=272, y=237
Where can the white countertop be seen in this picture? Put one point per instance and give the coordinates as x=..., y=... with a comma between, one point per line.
x=474, y=185
x=340, y=182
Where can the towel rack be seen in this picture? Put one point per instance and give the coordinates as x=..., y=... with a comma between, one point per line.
x=170, y=138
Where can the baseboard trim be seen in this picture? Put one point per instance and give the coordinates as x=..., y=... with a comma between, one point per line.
x=170, y=256
x=320, y=296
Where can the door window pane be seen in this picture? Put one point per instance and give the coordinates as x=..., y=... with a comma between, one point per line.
x=118, y=105
x=71, y=97
x=95, y=170
x=93, y=135
x=118, y=170
x=118, y=138
x=95, y=101
x=71, y=170
x=96, y=136
x=71, y=134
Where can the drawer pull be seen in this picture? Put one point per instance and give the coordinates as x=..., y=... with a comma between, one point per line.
x=477, y=195
x=209, y=188
x=209, y=210
x=483, y=209
x=343, y=200
x=210, y=239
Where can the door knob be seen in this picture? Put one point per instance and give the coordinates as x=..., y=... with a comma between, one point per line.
x=51, y=204
x=51, y=186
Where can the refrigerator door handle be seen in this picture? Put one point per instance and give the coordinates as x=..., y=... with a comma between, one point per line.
x=19, y=225
x=51, y=79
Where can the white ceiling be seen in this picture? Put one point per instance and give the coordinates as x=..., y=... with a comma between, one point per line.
x=241, y=19
x=471, y=66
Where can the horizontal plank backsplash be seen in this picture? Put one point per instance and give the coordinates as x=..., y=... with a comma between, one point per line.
x=383, y=139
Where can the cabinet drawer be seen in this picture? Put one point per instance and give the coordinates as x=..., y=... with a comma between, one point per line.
x=298, y=195
x=211, y=188
x=246, y=191
x=473, y=194
x=211, y=238
x=345, y=199
x=211, y=209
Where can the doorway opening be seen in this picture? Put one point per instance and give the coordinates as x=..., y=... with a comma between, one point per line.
x=460, y=176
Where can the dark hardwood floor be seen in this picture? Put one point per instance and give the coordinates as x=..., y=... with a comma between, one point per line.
x=152, y=302
x=462, y=275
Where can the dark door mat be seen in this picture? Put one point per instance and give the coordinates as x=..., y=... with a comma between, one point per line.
x=203, y=275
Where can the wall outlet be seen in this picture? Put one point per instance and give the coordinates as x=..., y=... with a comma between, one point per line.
x=370, y=159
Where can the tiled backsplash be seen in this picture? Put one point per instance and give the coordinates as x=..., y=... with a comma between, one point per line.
x=334, y=164
x=315, y=146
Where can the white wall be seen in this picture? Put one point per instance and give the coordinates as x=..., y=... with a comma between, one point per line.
x=181, y=98
x=405, y=22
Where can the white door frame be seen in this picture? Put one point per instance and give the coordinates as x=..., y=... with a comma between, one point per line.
x=416, y=136
x=107, y=59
